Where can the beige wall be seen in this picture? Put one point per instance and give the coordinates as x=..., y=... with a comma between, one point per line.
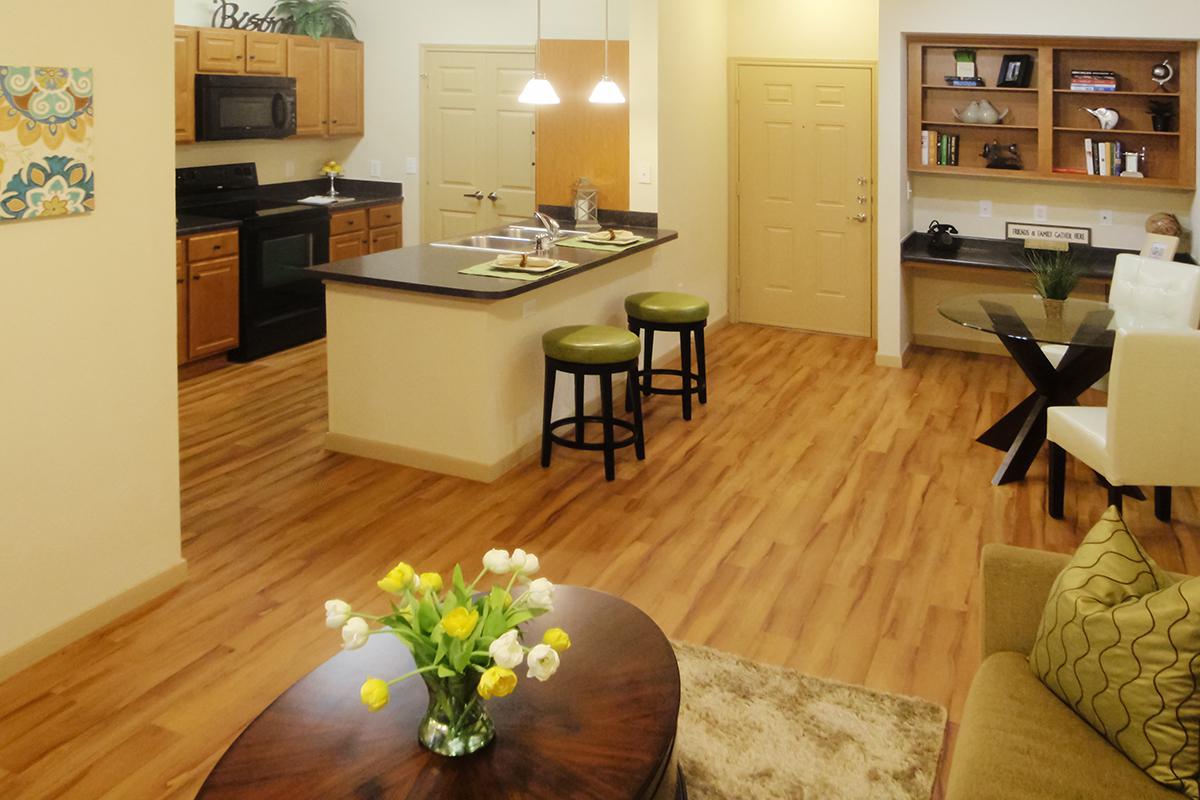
x=89, y=468
x=953, y=197
x=807, y=29
x=278, y=161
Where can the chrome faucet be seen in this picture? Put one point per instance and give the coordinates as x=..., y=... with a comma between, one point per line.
x=550, y=224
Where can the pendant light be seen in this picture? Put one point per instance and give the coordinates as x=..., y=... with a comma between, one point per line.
x=606, y=90
x=538, y=92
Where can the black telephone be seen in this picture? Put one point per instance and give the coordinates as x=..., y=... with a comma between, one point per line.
x=941, y=239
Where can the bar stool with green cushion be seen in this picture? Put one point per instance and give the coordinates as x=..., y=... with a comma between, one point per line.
x=599, y=350
x=674, y=312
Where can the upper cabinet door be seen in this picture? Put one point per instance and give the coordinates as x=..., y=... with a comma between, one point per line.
x=345, y=60
x=266, y=54
x=222, y=50
x=185, y=85
x=306, y=59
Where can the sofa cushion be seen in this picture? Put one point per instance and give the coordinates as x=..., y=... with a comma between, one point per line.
x=1017, y=741
x=1119, y=644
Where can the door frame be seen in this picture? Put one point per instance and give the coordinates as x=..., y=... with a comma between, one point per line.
x=425, y=51
x=735, y=246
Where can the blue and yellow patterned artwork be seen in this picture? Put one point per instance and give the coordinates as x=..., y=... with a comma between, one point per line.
x=46, y=118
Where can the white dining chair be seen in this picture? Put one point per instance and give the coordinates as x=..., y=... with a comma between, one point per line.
x=1149, y=433
x=1147, y=294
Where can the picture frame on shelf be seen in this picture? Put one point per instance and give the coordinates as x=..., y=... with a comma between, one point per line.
x=1016, y=72
x=1159, y=247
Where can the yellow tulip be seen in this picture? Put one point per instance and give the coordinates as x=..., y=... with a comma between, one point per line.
x=557, y=638
x=374, y=694
x=398, y=579
x=431, y=581
x=460, y=622
x=497, y=682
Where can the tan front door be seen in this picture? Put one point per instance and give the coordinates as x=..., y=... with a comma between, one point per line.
x=478, y=149
x=804, y=197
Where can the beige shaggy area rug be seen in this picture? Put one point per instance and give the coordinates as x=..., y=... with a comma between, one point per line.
x=749, y=730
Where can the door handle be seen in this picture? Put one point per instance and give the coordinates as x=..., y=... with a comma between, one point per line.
x=862, y=181
x=493, y=196
x=858, y=217
x=478, y=195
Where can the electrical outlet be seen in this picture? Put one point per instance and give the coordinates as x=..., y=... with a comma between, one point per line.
x=1106, y=217
x=410, y=165
x=1039, y=213
x=376, y=168
x=529, y=309
x=289, y=169
x=985, y=209
x=645, y=174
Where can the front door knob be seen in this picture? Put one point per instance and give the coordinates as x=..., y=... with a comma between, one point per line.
x=493, y=196
x=858, y=217
x=478, y=195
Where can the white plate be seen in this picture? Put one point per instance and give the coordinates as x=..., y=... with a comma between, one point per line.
x=534, y=269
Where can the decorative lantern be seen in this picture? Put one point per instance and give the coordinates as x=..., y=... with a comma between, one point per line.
x=587, y=205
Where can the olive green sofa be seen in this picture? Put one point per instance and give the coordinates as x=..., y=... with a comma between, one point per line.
x=1017, y=741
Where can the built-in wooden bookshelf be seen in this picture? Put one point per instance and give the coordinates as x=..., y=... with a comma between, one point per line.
x=1046, y=120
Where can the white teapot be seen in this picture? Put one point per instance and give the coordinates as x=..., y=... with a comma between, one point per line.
x=980, y=112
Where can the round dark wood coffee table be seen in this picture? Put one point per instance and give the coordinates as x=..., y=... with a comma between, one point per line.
x=603, y=727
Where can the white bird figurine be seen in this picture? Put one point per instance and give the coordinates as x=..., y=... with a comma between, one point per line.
x=1107, y=117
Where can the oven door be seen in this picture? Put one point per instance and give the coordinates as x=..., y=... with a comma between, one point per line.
x=236, y=107
x=282, y=303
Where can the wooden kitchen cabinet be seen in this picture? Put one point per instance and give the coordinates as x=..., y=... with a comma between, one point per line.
x=383, y=239
x=212, y=305
x=306, y=60
x=349, y=245
x=362, y=231
x=221, y=50
x=383, y=216
x=266, y=54
x=185, y=85
x=344, y=60
x=206, y=294
x=348, y=222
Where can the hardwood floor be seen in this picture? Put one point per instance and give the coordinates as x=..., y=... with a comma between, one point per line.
x=820, y=512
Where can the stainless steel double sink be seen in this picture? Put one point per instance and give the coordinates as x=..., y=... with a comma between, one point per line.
x=508, y=239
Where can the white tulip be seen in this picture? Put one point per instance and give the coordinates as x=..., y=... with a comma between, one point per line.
x=355, y=633
x=539, y=596
x=517, y=562
x=497, y=562
x=543, y=662
x=531, y=564
x=506, y=651
x=336, y=613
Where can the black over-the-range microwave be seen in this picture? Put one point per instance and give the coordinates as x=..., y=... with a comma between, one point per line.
x=244, y=107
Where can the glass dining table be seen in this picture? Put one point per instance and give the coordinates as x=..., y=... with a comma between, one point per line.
x=1023, y=323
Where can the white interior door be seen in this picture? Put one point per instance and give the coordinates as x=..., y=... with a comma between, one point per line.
x=478, y=147
x=804, y=197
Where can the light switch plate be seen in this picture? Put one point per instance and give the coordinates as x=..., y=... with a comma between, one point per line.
x=1106, y=217
x=376, y=168
x=645, y=174
x=410, y=165
x=985, y=209
x=1039, y=213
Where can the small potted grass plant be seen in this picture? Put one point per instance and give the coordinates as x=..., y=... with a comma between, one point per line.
x=1055, y=276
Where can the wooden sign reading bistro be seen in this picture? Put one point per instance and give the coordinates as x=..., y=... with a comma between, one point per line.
x=230, y=15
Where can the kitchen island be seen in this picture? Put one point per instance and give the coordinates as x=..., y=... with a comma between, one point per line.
x=434, y=369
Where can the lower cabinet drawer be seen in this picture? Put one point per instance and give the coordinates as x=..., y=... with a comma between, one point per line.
x=383, y=239
x=383, y=216
x=349, y=245
x=212, y=245
x=348, y=222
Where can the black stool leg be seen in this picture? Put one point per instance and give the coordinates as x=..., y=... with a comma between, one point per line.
x=685, y=356
x=639, y=440
x=1162, y=503
x=647, y=375
x=1057, y=481
x=700, y=366
x=631, y=386
x=606, y=403
x=1116, y=498
x=547, y=410
x=578, y=407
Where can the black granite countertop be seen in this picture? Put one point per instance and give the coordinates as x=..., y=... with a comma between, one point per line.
x=188, y=224
x=1003, y=254
x=435, y=270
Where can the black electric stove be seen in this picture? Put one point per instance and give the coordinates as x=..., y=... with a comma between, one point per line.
x=281, y=304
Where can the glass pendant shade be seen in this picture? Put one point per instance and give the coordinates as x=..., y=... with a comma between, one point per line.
x=539, y=92
x=607, y=92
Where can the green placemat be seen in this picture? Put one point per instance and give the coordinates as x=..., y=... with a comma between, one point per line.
x=488, y=269
x=609, y=248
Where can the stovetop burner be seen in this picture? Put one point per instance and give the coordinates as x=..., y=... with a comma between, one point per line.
x=230, y=191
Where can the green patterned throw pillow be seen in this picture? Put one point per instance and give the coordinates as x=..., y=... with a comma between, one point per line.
x=1119, y=643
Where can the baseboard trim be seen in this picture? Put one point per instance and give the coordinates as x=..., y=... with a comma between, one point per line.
x=895, y=362
x=462, y=468
x=993, y=348
x=92, y=620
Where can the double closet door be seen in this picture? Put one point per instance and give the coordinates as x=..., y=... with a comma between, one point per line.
x=478, y=144
x=805, y=197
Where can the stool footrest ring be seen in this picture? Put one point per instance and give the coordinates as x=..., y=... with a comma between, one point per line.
x=693, y=388
x=574, y=445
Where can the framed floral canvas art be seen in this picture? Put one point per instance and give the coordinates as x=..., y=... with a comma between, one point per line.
x=46, y=158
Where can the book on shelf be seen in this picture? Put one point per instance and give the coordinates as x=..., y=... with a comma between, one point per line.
x=940, y=149
x=1084, y=80
x=925, y=148
x=955, y=80
x=1104, y=158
